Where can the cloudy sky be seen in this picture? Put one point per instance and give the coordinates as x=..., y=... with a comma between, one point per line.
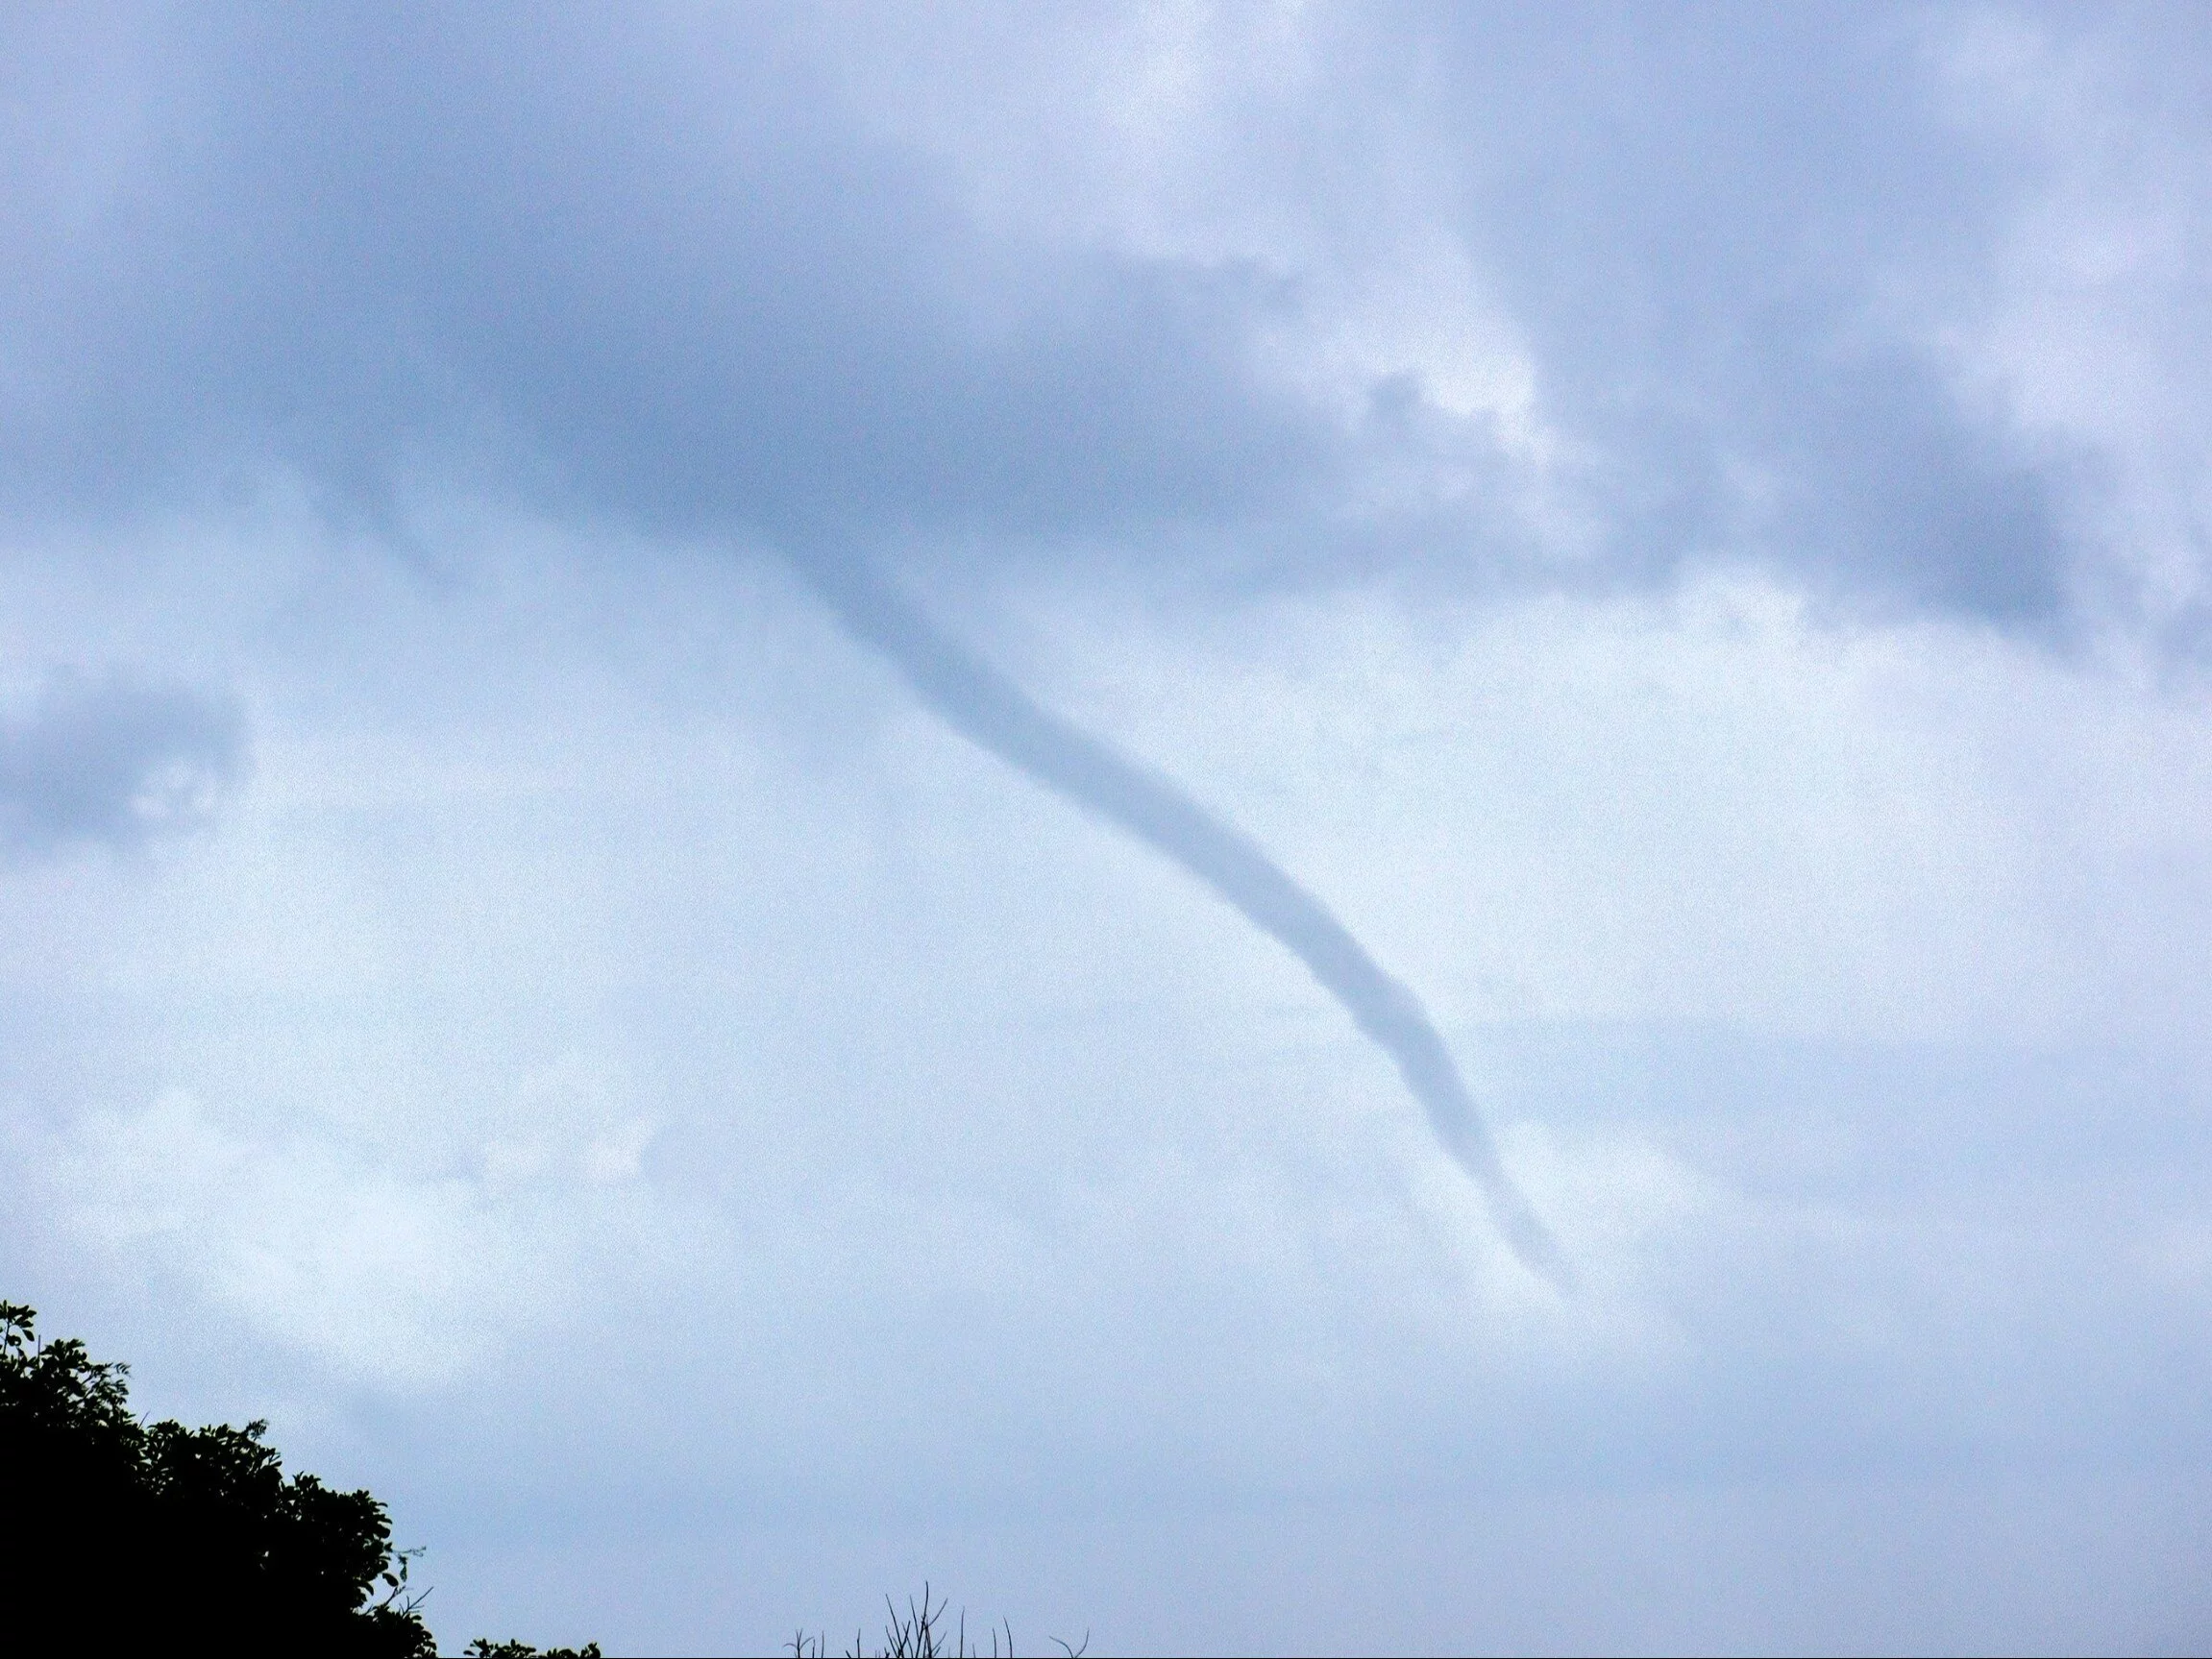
x=1690, y=533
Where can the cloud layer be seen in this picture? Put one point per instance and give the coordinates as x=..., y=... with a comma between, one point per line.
x=1687, y=532
x=1523, y=295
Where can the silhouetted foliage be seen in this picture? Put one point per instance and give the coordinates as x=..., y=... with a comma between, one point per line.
x=114, y=1531
x=920, y=1632
x=484, y=1647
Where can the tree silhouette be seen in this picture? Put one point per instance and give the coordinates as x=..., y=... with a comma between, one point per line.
x=113, y=1530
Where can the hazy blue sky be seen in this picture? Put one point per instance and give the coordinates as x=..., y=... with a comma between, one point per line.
x=1689, y=529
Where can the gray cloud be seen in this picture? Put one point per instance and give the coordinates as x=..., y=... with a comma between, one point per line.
x=1725, y=232
x=667, y=275
x=566, y=253
x=115, y=763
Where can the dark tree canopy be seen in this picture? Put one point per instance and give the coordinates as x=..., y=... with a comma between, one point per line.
x=115, y=1530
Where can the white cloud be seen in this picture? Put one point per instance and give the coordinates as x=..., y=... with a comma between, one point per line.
x=342, y=1247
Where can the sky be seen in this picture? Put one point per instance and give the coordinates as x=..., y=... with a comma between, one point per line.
x=1686, y=531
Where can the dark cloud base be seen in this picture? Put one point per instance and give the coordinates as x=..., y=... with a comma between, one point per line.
x=660, y=275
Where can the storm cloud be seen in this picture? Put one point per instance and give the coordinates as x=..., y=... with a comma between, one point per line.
x=644, y=273
x=700, y=272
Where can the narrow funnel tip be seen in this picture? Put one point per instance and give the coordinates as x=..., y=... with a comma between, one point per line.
x=1533, y=1243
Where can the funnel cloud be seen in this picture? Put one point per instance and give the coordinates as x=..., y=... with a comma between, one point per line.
x=989, y=708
